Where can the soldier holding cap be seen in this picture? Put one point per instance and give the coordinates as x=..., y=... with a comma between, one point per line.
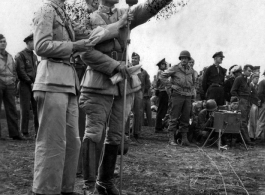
x=26, y=64
x=162, y=95
x=213, y=80
x=182, y=83
x=8, y=77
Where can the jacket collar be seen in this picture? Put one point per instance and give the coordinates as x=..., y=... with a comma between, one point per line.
x=107, y=10
x=4, y=55
x=57, y=3
x=181, y=67
x=27, y=50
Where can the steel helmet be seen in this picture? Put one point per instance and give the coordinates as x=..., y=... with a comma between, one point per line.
x=184, y=53
x=211, y=105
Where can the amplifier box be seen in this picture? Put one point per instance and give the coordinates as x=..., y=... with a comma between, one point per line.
x=227, y=122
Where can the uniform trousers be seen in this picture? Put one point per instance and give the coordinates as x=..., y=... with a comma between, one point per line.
x=180, y=112
x=57, y=143
x=252, y=123
x=26, y=99
x=147, y=110
x=104, y=111
x=7, y=95
x=138, y=112
x=162, y=109
x=244, y=106
x=261, y=121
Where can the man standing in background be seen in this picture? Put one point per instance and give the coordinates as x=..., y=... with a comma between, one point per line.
x=213, y=80
x=26, y=64
x=138, y=105
x=182, y=89
x=162, y=95
x=8, y=78
x=241, y=91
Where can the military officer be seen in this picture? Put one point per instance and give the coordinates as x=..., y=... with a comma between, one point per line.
x=213, y=80
x=162, y=95
x=182, y=83
x=102, y=100
x=26, y=64
x=55, y=90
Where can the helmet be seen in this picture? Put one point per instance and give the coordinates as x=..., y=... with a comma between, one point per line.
x=184, y=54
x=211, y=105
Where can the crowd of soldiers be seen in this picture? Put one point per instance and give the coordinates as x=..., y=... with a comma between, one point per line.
x=188, y=100
x=86, y=118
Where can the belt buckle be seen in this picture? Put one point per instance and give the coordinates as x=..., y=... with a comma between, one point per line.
x=114, y=53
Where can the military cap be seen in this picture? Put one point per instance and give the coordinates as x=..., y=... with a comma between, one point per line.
x=1, y=36
x=28, y=38
x=218, y=54
x=231, y=68
x=236, y=68
x=163, y=61
x=135, y=54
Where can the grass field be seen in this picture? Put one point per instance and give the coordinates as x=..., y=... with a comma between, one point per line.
x=152, y=167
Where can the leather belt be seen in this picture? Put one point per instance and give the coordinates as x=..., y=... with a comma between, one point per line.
x=57, y=60
x=116, y=55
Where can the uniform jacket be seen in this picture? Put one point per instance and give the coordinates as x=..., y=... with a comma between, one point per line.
x=227, y=88
x=212, y=75
x=26, y=64
x=96, y=78
x=182, y=80
x=161, y=86
x=145, y=82
x=8, y=73
x=261, y=90
x=53, y=41
x=241, y=87
x=203, y=121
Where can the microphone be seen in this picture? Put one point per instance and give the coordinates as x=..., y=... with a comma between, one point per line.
x=131, y=2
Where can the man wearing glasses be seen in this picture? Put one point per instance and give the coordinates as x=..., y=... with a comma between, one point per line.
x=213, y=80
x=241, y=91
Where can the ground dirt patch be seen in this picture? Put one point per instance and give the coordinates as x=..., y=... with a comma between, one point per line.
x=151, y=167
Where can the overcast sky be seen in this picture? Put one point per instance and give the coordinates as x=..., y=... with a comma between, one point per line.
x=236, y=27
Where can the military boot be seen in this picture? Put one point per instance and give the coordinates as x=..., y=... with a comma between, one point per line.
x=105, y=184
x=184, y=140
x=171, y=135
x=90, y=166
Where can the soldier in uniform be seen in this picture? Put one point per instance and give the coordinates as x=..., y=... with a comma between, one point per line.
x=26, y=64
x=100, y=98
x=162, y=95
x=235, y=71
x=8, y=77
x=182, y=85
x=213, y=80
x=55, y=90
x=138, y=104
x=241, y=90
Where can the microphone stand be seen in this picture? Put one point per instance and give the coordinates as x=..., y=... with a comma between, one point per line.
x=124, y=105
